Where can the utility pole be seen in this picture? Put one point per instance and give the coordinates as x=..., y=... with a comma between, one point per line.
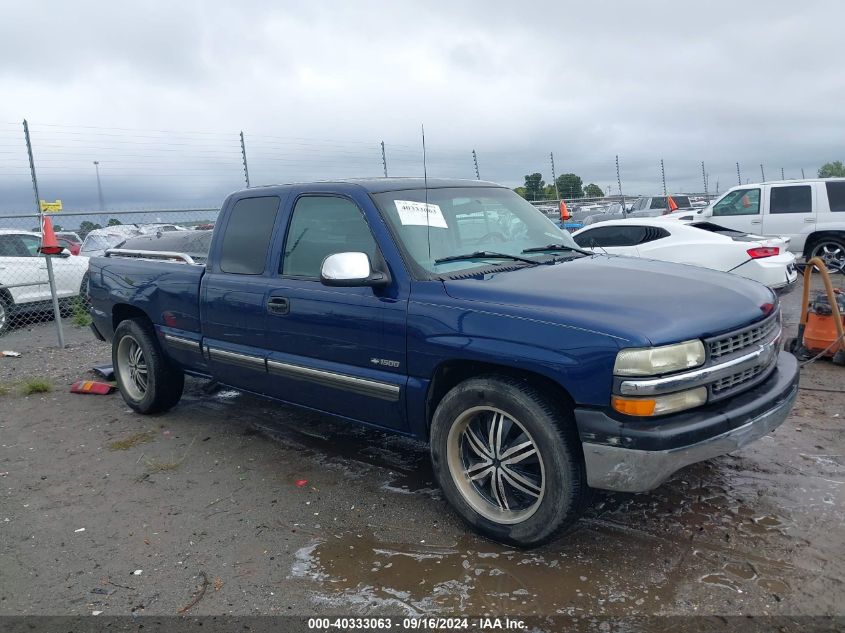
x=802, y=173
x=619, y=182
x=663, y=176
x=554, y=180
x=57, y=315
x=738, y=175
x=475, y=162
x=99, y=186
x=782, y=177
x=383, y=159
x=762, y=173
x=243, y=155
x=704, y=178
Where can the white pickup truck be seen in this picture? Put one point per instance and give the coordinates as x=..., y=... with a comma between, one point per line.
x=24, y=287
x=810, y=212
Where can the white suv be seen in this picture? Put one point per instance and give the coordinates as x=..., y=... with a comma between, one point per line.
x=810, y=212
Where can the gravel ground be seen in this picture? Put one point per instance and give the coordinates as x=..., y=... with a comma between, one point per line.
x=231, y=504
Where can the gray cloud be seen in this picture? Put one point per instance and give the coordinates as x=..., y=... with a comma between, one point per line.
x=316, y=86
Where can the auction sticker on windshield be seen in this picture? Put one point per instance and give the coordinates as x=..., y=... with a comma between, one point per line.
x=420, y=214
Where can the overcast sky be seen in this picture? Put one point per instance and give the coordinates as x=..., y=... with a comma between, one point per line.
x=158, y=92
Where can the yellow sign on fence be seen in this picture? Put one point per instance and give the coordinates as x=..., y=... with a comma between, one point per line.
x=51, y=207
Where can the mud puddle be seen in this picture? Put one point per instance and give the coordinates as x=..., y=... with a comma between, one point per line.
x=472, y=576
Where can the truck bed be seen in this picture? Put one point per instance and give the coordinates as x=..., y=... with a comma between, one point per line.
x=167, y=291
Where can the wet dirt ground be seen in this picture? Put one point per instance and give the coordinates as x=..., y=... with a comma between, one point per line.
x=258, y=508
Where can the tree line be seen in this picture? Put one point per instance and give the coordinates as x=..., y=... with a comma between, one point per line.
x=568, y=186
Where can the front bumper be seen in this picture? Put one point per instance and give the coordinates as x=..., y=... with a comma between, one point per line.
x=637, y=456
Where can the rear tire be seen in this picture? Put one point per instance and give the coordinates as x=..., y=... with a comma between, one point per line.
x=831, y=250
x=148, y=381
x=5, y=315
x=508, y=460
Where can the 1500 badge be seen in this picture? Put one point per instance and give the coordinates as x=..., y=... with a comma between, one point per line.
x=384, y=362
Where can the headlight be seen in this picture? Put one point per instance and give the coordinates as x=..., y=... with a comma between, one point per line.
x=650, y=361
x=660, y=405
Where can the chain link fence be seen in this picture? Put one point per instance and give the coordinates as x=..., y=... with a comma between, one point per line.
x=26, y=298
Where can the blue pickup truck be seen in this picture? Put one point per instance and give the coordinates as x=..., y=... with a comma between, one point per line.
x=455, y=312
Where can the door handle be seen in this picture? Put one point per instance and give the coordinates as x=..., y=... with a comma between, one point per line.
x=278, y=305
x=756, y=221
x=809, y=220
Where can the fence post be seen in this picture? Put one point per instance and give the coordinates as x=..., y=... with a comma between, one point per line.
x=243, y=155
x=383, y=159
x=57, y=315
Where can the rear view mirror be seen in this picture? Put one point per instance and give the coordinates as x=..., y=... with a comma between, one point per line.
x=350, y=269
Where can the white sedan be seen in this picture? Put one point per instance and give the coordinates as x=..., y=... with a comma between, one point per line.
x=704, y=244
x=24, y=287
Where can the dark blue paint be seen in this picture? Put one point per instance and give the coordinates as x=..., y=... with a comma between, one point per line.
x=565, y=322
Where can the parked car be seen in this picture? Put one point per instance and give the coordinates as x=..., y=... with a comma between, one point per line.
x=24, y=287
x=69, y=244
x=454, y=312
x=811, y=212
x=98, y=241
x=576, y=221
x=708, y=245
x=648, y=207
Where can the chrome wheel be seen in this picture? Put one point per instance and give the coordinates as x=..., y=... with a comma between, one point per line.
x=132, y=367
x=496, y=465
x=832, y=254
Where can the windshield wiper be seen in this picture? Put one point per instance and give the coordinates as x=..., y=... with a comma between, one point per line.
x=555, y=247
x=485, y=255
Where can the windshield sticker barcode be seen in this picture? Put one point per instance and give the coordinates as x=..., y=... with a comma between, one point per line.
x=420, y=214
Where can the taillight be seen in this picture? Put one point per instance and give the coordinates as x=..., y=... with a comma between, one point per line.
x=763, y=251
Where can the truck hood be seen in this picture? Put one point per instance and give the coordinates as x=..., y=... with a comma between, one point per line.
x=645, y=302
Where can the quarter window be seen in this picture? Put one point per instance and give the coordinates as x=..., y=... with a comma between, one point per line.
x=791, y=199
x=609, y=236
x=247, y=235
x=738, y=202
x=322, y=226
x=836, y=195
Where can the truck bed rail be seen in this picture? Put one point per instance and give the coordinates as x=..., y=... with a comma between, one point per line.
x=170, y=256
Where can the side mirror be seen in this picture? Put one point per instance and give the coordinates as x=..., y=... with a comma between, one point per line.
x=350, y=269
x=707, y=212
x=65, y=253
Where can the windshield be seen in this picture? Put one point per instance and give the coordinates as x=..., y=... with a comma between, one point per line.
x=465, y=220
x=101, y=242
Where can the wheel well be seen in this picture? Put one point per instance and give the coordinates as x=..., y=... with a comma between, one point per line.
x=123, y=311
x=6, y=297
x=815, y=238
x=452, y=373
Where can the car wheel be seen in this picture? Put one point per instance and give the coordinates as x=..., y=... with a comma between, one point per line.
x=508, y=460
x=831, y=250
x=148, y=381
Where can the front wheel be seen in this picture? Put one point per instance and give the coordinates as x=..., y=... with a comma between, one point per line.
x=148, y=381
x=508, y=460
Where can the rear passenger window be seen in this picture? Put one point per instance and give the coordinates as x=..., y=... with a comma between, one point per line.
x=247, y=235
x=836, y=195
x=658, y=202
x=791, y=199
x=322, y=226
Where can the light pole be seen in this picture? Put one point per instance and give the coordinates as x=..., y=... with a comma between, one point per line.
x=99, y=186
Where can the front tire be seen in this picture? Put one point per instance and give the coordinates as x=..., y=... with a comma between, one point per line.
x=148, y=381
x=508, y=460
x=5, y=315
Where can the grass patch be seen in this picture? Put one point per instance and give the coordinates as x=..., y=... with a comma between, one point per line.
x=133, y=440
x=36, y=385
x=4, y=390
x=159, y=466
x=79, y=314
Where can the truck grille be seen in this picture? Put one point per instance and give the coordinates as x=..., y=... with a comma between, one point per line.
x=729, y=382
x=738, y=341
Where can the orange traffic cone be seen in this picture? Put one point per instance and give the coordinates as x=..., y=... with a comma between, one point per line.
x=49, y=243
x=673, y=206
x=564, y=212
